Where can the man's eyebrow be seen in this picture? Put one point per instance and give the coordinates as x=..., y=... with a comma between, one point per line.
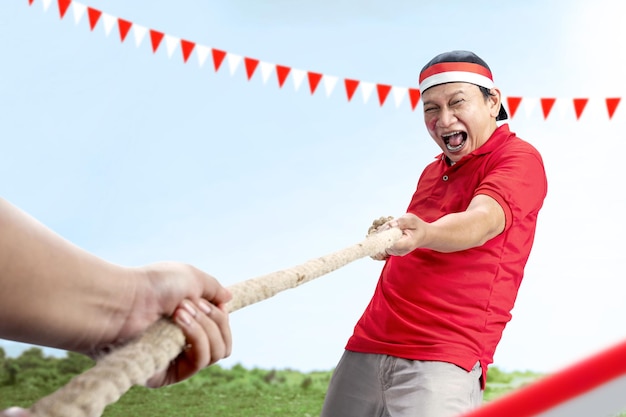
x=454, y=93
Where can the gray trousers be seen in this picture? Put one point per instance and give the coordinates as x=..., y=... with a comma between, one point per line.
x=370, y=385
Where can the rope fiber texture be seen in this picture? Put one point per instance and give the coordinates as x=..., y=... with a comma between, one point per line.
x=87, y=394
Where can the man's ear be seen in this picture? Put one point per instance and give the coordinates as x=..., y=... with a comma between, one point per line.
x=495, y=101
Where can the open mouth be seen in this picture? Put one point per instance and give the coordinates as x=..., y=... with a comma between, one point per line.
x=454, y=140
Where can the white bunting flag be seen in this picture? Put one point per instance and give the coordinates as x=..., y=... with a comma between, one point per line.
x=366, y=90
x=298, y=77
x=78, y=10
x=329, y=83
x=233, y=62
x=171, y=42
x=140, y=33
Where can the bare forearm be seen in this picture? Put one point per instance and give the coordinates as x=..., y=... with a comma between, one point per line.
x=458, y=231
x=51, y=291
x=483, y=220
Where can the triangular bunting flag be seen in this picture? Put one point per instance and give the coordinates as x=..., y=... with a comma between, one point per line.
x=187, y=47
x=351, y=86
x=46, y=5
x=314, y=80
x=366, y=90
x=546, y=106
x=124, y=26
x=108, y=21
x=297, y=76
x=414, y=95
x=140, y=33
x=550, y=106
x=529, y=105
x=250, y=64
x=63, y=5
x=579, y=106
x=155, y=39
x=513, y=104
x=560, y=108
x=329, y=83
x=233, y=62
x=78, y=10
x=398, y=94
x=218, y=58
x=202, y=52
x=171, y=43
x=383, y=92
x=611, y=105
x=94, y=16
x=282, y=72
x=266, y=71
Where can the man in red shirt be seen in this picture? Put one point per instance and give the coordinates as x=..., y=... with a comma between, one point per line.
x=423, y=344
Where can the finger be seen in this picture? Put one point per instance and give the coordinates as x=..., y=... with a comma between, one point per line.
x=212, y=290
x=207, y=334
x=214, y=333
x=220, y=317
x=197, y=353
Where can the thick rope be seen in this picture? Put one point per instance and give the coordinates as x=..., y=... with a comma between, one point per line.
x=87, y=394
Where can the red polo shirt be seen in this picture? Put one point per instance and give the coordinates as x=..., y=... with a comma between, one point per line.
x=453, y=307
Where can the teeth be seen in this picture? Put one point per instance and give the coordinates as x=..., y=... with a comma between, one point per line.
x=454, y=148
x=449, y=134
x=450, y=147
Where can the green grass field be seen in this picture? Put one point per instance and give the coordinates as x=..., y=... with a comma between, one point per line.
x=234, y=392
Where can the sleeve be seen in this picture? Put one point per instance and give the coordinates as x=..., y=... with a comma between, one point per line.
x=517, y=180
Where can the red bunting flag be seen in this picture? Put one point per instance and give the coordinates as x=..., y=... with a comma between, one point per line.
x=124, y=27
x=383, y=91
x=218, y=58
x=63, y=6
x=513, y=103
x=351, y=86
x=155, y=39
x=579, y=106
x=546, y=106
x=251, y=65
x=611, y=105
x=282, y=72
x=187, y=48
x=414, y=96
x=314, y=80
x=94, y=16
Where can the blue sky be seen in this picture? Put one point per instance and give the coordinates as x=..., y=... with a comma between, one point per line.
x=139, y=157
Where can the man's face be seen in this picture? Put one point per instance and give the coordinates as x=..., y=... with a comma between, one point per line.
x=459, y=118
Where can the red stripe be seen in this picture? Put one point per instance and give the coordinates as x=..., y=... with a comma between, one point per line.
x=455, y=66
x=556, y=389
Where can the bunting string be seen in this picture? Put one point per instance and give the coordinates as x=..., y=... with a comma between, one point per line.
x=548, y=106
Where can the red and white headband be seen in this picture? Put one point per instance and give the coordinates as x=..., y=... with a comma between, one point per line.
x=453, y=72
